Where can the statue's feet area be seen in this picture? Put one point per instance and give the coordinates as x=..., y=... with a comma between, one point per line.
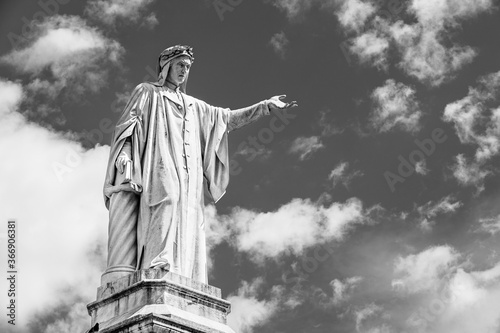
x=162, y=298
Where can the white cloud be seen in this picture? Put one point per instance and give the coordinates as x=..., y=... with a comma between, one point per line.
x=490, y=225
x=348, y=11
x=62, y=42
x=469, y=302
x=62, y=221
x=247, y=310
x=342, y=290
x=395, y=107
x=427, y=51
x=66, y=54
x=10, y=96
x=421, y=167
x=293, y=8
x=249, y=153
x=295, y=222
x=305, y=147
x=439, y=13
x=432, y=291
x=475, y=122
x=488, y=276
x=279, y=42
x=125, y=11
x=341, y=174
x=425, y=57
x=341, y=217
x=431, y=210
x=424, y=48
x=469, y=172
x=426, y=225
x=445, y=205
x=476, y=119
x=338, y=172
x=365, y=313
x=353, y=14
x=291, y=229
x=473, y=308
x=423, y=271
x=62, y=39
x=371, y=48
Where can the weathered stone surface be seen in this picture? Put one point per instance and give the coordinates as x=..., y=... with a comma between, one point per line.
x=155, y=274
x=163, y=301
x=152, y=323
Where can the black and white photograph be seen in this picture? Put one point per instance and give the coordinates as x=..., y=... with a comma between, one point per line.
x=244, y=166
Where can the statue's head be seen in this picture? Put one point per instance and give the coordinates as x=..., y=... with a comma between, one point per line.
x=174, y=64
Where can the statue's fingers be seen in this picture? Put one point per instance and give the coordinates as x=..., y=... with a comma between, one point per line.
x=281, y=97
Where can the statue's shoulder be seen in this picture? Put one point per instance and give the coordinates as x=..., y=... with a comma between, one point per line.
x=146, y=87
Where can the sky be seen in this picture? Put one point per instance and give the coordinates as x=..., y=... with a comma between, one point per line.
x=370, y=208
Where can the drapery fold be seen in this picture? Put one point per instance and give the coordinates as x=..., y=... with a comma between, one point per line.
x=175, y=144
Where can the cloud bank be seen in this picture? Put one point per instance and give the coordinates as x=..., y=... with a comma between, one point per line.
x=61, y=221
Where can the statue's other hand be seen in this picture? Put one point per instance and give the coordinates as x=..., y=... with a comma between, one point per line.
x=122, y=161
x=276, y=102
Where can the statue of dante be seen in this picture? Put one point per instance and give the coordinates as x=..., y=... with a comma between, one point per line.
x=165, y=143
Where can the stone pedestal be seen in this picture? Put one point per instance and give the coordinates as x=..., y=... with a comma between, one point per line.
x=155, y=301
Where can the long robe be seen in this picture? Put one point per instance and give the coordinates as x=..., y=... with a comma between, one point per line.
x=177, y=140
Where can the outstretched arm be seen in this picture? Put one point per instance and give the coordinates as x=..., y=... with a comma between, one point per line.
x=276, y=103
x=245, y=116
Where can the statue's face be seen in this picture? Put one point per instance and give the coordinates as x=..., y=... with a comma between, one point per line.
x=179, y=70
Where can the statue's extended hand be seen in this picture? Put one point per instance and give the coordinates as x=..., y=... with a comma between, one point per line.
x=122, y=161
x=276, y=102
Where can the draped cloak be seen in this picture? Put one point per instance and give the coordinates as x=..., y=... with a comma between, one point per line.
x=175, y=144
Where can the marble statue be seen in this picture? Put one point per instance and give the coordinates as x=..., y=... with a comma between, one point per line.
x=165, y=143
